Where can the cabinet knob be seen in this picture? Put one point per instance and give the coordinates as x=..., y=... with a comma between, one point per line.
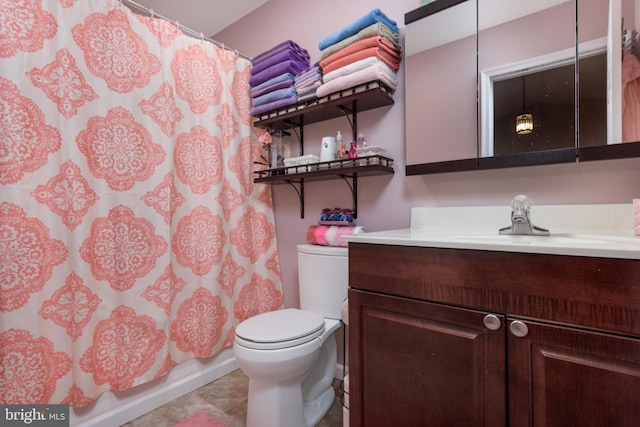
x=492, y=322
x=519, y=328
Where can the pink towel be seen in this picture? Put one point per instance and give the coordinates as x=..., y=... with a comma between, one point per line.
x=630, y=103
x=636, y=216
x=331, y=235
x=379, y=71
x=358, y=50
x=391, y=59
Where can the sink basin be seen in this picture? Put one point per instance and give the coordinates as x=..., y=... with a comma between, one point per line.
x=553, y=240
x=577, y=230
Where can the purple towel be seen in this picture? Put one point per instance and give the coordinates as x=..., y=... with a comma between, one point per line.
x=306, y=78
x=289, y=44
x=276, y=79
x=291, y=67
x=274, y=95
x=273, y=105
x=313, y=69
x=285, y=55
x=280, y=85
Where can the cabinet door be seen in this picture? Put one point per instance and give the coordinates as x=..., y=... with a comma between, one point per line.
x=562, y=377
x=413, y=363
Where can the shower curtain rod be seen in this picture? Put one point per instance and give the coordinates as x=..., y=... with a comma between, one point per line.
x=186, y=30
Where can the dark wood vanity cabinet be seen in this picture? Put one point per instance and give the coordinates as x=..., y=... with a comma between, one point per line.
x=560, y=376
x=447, y=337
x=423, y=364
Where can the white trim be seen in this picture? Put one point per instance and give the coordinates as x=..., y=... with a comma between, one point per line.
x=154, y=396
x=126, y=406
x=520, y=68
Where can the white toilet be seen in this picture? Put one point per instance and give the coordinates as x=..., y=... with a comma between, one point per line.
x=290, y=355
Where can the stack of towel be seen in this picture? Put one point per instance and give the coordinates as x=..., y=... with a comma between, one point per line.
x=333, y=225
x=331, y=235
x=365, y=51
x=307, y=82
x=273, y=76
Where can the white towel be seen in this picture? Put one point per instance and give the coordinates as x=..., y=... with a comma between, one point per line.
x=379, y=71
x=351, y=68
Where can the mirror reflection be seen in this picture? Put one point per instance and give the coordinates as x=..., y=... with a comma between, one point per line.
x=441, y=82
x=614, y=21
x=554, y=79
x=526, y=63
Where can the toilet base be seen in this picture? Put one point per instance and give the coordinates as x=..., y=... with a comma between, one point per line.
x=316, y=410
x=275, y=407
x=285, y=408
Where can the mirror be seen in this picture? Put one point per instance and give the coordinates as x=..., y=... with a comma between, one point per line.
x=440, y=73
x=615, y=24
x=527, y=76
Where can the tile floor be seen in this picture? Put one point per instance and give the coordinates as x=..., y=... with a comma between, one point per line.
x=226, y=400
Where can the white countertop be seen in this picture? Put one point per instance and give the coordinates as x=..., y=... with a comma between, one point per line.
x=578, y=230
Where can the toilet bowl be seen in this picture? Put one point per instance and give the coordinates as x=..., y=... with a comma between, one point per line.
x=290, y=355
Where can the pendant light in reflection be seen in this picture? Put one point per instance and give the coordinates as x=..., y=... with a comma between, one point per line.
x=524, y=121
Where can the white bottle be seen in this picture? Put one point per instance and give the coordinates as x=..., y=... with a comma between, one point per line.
x=361, y=141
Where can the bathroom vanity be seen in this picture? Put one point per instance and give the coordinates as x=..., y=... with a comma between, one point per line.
x=462, y=327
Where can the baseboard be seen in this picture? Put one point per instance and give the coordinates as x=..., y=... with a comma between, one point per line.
x=117, y=408
x=340, y=372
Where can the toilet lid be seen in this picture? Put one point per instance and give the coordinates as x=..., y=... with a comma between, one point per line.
x=280, y=329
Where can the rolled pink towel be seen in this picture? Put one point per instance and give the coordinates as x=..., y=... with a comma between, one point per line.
x=331, y=235
x=636, y=216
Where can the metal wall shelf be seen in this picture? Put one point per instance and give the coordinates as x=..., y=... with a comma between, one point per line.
x=363, y=166
x=357, y=99
x=348, y=169
x=346, y=102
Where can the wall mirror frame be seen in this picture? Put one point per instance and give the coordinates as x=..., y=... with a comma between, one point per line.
x=477, y=153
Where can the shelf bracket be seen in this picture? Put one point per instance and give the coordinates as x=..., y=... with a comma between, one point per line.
x=300, y=192
x=352, y=117
x=299, y=135
x=353, y=187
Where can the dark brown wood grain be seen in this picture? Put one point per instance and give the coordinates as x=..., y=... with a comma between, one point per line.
x=592, y=292
x=421, y=354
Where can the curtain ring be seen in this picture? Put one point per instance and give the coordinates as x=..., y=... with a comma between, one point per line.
x=152, y=13
x=201, y=36
x=177, y=25
x=236, y=52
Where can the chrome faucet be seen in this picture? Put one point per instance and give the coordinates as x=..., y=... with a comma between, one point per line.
x=520, y=220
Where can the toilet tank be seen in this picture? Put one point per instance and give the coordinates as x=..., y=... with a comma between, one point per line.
x=323, y=279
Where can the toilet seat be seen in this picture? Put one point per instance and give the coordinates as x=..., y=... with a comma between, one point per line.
x=279, y=329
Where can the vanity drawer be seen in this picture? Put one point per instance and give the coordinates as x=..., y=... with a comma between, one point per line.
x=592, y=292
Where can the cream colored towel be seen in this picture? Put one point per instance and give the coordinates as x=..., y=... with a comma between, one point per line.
x=378, y=71
x=351, y=68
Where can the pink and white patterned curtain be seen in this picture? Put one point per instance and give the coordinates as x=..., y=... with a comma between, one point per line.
x=132, y=237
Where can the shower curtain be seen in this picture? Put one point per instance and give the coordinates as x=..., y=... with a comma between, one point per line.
x=132, y=237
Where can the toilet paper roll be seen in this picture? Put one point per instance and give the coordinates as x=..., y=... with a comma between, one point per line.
x=345, y=407
x=346, y=391
x=344, y=312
